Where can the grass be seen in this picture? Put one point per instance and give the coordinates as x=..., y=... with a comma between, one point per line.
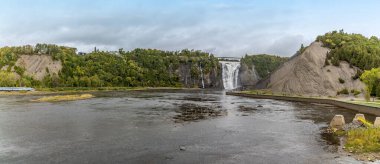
x=363, y=140
x=64, y=98
x=375, y=103
x=269, y=92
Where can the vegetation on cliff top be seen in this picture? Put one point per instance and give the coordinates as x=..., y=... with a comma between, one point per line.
x=356, y=49
x=264, y=64
x=140, y=67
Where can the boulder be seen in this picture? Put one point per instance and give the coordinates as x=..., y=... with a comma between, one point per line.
x=357, y=116
x=377, y=122
x=337, y=122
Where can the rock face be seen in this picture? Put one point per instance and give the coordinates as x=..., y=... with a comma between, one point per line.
x=213, y=79
x=306, y=74
x=248, y=77
x=38, y=66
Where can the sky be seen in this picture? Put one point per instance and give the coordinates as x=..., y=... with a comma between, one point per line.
x=230, y=28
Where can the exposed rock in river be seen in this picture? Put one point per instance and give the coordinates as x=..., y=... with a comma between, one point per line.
x=193, y=112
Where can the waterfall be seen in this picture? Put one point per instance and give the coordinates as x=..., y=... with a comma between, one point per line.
x=203, y=82
x=230, y=74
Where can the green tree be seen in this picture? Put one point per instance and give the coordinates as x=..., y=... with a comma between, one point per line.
x=7, y=79
x=370, y=78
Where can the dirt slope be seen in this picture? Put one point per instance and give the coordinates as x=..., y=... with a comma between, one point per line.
x=305, y=74
x=37, y=65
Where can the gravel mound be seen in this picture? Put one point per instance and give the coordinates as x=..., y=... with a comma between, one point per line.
x=306, y=74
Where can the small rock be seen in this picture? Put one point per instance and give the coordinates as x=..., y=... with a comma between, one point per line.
x=182, y=148
x=244, y=115
x=169, y=158
x=260, y=106
x=336, y=157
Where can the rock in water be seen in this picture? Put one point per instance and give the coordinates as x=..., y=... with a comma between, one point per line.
x=337, y=122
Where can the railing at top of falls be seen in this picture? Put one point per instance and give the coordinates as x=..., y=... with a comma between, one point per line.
x=233, y=59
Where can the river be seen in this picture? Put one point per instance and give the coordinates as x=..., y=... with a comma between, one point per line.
x=138, y=127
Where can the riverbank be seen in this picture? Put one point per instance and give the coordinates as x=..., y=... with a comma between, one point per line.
x=69, y=90
x=360, y=107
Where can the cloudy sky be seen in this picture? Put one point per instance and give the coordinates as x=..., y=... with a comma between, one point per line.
x=222, y=27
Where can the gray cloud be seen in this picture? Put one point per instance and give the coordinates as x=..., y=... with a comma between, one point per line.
x=227, y=33
x=287, y=45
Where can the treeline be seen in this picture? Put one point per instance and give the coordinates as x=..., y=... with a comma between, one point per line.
x=264, y=64
x=140, y=67
x=356, y=49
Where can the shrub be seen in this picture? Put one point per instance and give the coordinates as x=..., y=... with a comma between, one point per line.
x=355, y=92
x=341, y=81
x=343, y=92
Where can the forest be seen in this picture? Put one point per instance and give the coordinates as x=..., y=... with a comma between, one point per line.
x=356, y=49
x=139, y=67
x=264, y=64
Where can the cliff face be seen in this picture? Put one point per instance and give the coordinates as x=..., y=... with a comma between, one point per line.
x=306, y=74
x=212, y=79
x=38, y=66
x=248, y=77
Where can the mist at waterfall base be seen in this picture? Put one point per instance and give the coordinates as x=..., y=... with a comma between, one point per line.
x=230, y=74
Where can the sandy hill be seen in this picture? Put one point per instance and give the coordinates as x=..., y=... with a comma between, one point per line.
x=306, y=74
x=37, y=66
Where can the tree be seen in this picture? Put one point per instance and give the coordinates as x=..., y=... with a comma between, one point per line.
x=7, y=79
x=370, y=79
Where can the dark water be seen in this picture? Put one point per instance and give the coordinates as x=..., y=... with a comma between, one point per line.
x=137, y=127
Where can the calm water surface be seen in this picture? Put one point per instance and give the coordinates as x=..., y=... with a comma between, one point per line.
x=137, y=127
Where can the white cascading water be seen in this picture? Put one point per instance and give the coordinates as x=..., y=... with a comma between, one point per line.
x=230, y=74
x=203, y=82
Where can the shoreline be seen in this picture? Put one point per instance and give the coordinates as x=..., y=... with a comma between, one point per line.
x=52, y=91
x=365, y=157
x=352, y=106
